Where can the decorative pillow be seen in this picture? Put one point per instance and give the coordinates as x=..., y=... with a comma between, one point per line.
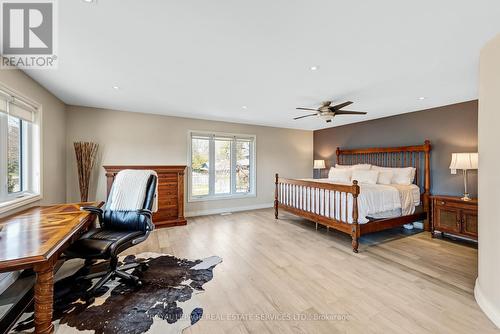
x=356, y=167
x=403, y=176
x=365, y=176
x=385, y=176
x=340, y=175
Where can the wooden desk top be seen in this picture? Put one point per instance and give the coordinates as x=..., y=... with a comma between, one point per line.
x=33, y=236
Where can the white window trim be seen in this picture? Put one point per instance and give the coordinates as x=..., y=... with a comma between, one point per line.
x=253, y=175
x=27, y=197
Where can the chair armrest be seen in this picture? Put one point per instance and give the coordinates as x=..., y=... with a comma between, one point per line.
x=145, y=212
x=94, y=209
x=149, y=220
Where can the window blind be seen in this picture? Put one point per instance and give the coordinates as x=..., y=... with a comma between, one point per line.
x=21, y=110
x=16, y=107
x=3, y=102
x=216, y=136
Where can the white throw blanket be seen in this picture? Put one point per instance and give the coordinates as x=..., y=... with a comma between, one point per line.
x=129, y=190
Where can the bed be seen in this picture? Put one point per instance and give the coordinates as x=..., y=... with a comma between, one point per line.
x=357, y=208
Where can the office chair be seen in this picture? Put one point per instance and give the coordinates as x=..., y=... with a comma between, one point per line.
x=118, y=231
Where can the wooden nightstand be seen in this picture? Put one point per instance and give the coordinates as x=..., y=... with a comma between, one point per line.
x=453, y=216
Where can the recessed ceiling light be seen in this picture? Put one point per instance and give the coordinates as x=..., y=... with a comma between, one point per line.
x=421, y=98
x=314, y=68
x=244, y=107
x=116, y=88
x=88, y=1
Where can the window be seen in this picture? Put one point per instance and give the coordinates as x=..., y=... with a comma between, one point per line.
x=222, y=166
x=19, y=146
x=14, y=156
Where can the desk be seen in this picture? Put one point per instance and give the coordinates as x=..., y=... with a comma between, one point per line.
x=35, y=238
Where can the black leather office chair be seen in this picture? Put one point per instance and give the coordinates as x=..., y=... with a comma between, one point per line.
x=118, y=231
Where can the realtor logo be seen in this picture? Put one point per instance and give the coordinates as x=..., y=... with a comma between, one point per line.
x=28, y=34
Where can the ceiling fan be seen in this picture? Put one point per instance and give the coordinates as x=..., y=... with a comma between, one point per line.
x=328, y=112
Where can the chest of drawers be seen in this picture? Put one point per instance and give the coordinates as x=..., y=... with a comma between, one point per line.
x=170, y=192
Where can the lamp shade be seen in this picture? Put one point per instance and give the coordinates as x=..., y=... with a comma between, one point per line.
x=464, y=161
x=319, y=164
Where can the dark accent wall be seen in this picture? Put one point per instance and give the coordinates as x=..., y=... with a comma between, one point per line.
x=450, y=129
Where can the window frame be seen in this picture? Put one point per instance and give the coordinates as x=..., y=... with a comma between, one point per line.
x=233, y=194
x=31, y=156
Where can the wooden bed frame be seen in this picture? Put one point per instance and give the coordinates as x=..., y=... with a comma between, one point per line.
x=287, y=191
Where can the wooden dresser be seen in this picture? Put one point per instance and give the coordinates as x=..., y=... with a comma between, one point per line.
x=170, y=192
x=451, y=215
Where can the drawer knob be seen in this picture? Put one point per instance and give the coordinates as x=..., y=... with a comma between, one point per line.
x=442, y=203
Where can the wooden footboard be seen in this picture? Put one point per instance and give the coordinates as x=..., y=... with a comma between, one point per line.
x=305, y=198
x=324, y=203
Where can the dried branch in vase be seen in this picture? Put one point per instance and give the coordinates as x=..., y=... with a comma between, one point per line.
x=85, y=159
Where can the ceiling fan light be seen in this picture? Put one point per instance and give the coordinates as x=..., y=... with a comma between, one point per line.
x=327, y=117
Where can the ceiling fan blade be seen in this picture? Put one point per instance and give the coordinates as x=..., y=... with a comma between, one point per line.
x=306, y=109
x=341, y=105
x=304, y=116
x=347, y=112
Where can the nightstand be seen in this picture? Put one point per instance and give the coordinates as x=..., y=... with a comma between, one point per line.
x=451, y=215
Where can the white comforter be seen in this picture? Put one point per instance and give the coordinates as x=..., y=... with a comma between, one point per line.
x=374, y=200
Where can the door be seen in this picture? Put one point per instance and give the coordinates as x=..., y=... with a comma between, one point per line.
x=469, y=223
x=447, y=220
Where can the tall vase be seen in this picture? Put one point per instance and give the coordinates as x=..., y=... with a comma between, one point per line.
x=85, y=159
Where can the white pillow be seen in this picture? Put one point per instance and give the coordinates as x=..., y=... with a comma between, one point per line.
x=362, y=167
x=384, y=176
x=404, y=175
x=365, y=176
x=342, y=166
x=340, y=175
x=357, y=167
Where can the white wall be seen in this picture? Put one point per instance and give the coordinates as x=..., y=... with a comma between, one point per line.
x=53, y=134
x=136, y=139
x=487, y=289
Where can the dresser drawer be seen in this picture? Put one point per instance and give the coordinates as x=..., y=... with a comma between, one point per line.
x=454, y=204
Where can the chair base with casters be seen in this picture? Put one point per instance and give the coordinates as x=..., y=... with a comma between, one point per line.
x=118, y=231
x=113, y=272
x=99, y=244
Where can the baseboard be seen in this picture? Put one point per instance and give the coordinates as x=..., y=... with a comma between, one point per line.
x=489, y=309
x=6, y=280
x=207, y=212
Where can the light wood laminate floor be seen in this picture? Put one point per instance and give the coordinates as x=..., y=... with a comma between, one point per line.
x=399, y=282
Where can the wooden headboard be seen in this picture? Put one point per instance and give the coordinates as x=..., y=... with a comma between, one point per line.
x=404, y=156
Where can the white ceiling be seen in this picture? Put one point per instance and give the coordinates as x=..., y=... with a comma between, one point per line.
x=207, y=59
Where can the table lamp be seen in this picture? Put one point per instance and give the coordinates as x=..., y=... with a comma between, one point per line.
x=319, y=164
x=464, y=161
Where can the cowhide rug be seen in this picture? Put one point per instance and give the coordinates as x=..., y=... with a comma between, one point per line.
x=165, y=303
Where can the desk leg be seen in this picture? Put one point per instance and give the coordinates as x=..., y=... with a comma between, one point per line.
x=44, y=298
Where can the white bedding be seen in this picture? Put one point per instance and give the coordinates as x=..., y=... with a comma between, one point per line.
x=374, y=200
